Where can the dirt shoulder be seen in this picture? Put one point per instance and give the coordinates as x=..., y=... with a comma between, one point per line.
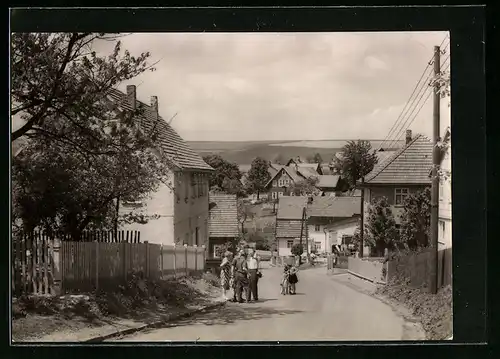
x=83, y=317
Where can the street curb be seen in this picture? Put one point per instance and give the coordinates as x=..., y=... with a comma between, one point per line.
x=365, y=278
x=409, y=319
x=158, y=323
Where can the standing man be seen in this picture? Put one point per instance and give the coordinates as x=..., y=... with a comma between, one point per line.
x=240, y=274
x=253, y=271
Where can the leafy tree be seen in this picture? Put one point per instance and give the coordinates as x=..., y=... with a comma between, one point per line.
x=226, y=176
x=59, y=75
x=297, y=249
x=244, y=213
x=416, y=219
x=316, y=158
x=258, y=176
x=355, y=161
x=381, y=231
x=58, y=187
x=305, y=187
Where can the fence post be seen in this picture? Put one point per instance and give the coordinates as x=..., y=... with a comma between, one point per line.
x=204, y=257
x=56, y=266
x=186, y=259
x=146, y=244
x=96, y=265
x=195, y=258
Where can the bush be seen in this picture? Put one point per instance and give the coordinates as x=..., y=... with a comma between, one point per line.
x=297, y=249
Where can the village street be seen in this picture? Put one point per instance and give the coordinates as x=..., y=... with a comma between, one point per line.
x=323, y=309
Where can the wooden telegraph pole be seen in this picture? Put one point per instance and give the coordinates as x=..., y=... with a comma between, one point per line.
x=302, y=230
x=435, y=176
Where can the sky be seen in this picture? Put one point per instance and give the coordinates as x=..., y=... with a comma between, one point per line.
x=285, y=86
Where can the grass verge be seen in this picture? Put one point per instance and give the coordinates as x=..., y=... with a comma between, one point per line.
x=434, y=310
x=139, y=300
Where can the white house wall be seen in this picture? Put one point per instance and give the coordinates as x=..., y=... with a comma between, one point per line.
x=318, y=237
x=445, y=230
x=160, y=230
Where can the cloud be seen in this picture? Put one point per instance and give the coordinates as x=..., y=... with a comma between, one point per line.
x=249, y=86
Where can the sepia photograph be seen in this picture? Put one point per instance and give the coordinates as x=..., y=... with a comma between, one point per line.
x=230, y=186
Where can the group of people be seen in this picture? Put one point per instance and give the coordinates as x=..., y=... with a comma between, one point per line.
x=289, y=280
x=242, y=274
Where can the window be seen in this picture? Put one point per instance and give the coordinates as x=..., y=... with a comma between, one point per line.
x=197, y=236
x=275, y=183
x=289, y=243
x=280, y=194
x=287, y=182
x=317, y=245
x=317, y=228
x=274, y=195
x=217, y=250
x=280, y=183
x=442, y=227
x=441, y=191
x=401, y=195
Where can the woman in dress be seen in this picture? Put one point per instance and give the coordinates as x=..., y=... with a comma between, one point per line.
x=225, y=273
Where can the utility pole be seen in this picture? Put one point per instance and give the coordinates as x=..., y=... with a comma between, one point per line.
x=435, y=176
x=302, y=230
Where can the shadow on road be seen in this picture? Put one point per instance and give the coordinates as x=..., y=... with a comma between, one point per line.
x=232, y=313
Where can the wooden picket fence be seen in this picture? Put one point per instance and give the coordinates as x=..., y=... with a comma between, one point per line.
x=32, y=264
x=100, y=260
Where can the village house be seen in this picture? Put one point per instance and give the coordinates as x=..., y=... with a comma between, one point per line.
x=181, y=205
x=222, y=225
x=323, y=226
x=279, y=184
x=445, y=232
x=331, y=218
x=400, y=174
x=331, y=185
x=289, y=224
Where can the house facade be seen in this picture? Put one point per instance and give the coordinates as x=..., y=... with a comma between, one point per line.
x=279, y=184
x=289, y=224
x=341, y=235
x=179, y=209
x=222, y=225
x=323, y=214
x=445, y=227
x=400, y=174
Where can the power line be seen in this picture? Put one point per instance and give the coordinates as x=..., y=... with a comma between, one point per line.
x=395, y=125
x=407, y=124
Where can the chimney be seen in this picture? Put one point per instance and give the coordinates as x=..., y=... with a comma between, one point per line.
x=408, y=136
x=154, y=106
x=132, y=96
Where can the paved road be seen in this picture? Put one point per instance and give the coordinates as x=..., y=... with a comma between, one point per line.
x=323, y=309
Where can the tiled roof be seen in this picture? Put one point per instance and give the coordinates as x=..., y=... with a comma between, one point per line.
x=223, y=218
x=409, y=165
x=172, y=145
x=307, y=172
x=334, y=207
x=290, y=207
x=289, y=229
x=328, y=181
x=313, y=166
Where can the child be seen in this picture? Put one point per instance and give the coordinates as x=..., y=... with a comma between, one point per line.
x=293, y=279
x=285, y=285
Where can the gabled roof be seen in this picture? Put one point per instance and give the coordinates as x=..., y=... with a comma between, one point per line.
x=307, y=172
x=409, y=165
x=286, y=228
x=289, y=171
x=291, y=207
x=334, y=207
x=328, y=181
x=172, y=145
x=223, y=215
